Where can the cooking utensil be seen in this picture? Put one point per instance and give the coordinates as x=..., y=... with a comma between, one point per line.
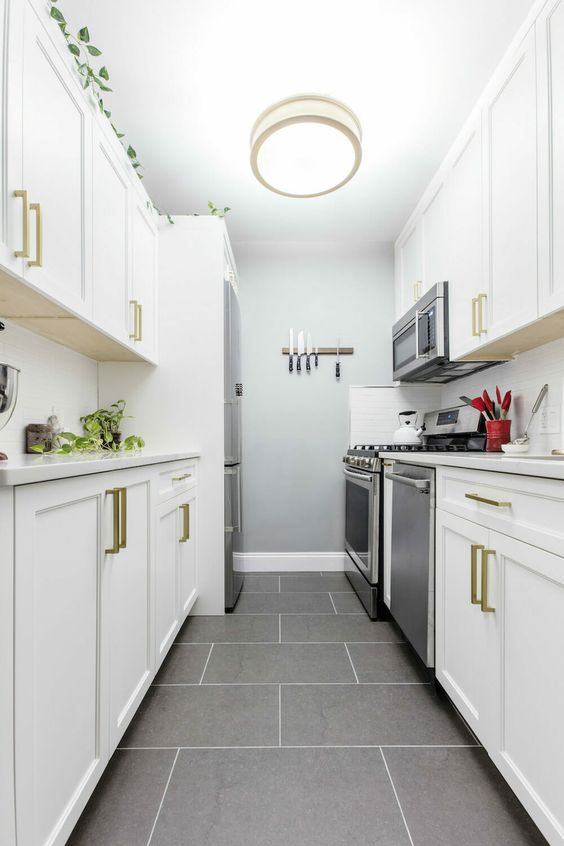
x=309, y=352
x=291, y=352
x=466, y=400
x=8, y=395
x=525, y=436
x=338, y=362
x=301, y=350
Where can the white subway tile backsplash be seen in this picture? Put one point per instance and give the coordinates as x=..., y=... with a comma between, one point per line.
x=51, y=375
x=374, y=409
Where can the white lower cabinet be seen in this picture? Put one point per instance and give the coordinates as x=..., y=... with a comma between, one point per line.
x=500, y=657
x=88, y=576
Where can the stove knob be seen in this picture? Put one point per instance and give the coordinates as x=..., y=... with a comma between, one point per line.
x=368, y=462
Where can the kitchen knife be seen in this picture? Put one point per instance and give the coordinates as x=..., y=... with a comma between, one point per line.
x=317, y=356
x=309, y=352
x=301, y=350
x=291, y=351
x=338, y=362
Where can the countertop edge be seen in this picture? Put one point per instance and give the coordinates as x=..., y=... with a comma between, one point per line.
x=541, y=468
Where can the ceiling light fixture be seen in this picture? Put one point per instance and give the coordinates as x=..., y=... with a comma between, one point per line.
x=306, y=146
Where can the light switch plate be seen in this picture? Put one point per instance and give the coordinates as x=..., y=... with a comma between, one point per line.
x=549, y=420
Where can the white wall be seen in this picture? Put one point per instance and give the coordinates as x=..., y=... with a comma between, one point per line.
x=296, y=427
x=51, y=375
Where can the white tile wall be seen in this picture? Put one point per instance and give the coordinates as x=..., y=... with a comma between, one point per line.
x=51, y=375
x=374, y=409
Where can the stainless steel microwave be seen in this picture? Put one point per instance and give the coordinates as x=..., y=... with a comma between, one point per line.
x=421, y=342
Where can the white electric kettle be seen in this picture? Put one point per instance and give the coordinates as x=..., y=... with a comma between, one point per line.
x=408, y=433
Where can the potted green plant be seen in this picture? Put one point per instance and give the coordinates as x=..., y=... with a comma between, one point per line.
x=105, y=424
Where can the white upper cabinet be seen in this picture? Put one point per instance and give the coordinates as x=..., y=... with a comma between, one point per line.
x=409, y=261
x=56, y=145
x=465, y=269
x=435, y=239
x=110, y=239
x=13, y=209
x=143, y=306
x=510, y=194
x=550, y=70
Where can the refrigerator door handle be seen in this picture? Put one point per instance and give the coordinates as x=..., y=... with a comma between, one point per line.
x=235, y=471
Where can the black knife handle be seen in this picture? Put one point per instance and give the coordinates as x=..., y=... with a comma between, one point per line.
x=337, y=370
x=291, y=363
x=308, y=364
x=316, y=360
x=299, y=363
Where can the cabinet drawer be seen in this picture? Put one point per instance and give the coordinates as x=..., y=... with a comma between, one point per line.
x=175, y=478
x=527, y=508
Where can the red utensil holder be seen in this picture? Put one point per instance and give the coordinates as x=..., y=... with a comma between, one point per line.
x=498, y=433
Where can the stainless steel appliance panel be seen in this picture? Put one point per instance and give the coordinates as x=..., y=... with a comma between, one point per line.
x=362, y=507
x=233, y=534
x=413, y=556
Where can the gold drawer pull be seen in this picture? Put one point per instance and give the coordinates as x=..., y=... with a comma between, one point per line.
x=24, y=252
x=484, y=603
x=481, y=299
x=475, y=332
x=181, y=478
x=123, y=518
x=114, y=550
x=474, y=573
x=38, y=260
x=477, y=498
x=185, y=508
x=139, y=322
x=134, y=336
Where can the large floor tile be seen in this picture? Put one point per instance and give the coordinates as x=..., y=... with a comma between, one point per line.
x=184, y=664
x=232, y=628
x=261, y=584
x=347, y=603
x=124, y=805
x=457, y=796
x=334, y=627
x=280, y=797
x=284, y=603
x=314, y=583
x=356, y=715
x=206, y=716
x=285, y=662
x=386, y=662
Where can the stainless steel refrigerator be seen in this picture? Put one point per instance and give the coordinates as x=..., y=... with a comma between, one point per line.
x=233, y=393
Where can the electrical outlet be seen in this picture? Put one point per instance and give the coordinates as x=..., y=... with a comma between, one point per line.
x=549, y=420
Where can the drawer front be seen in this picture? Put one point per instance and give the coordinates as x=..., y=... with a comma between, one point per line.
x=524, y=507
x=172, y=479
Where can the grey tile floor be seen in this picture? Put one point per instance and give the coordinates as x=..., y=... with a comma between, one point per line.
x=296, y=720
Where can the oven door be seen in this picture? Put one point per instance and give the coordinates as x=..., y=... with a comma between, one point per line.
x=419, y=342
x=361, y=521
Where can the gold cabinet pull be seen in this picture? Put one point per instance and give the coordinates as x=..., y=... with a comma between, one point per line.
x=24, y=252
x=123, y=518
x=185, y=508
x=474, y=573
x=133, y=337
x=484, y=602
x=139, y=322
x=181, y=478
x=481, y=298
x=114, y=549
x=38, y=260
x=477, y=498
x=475, y=332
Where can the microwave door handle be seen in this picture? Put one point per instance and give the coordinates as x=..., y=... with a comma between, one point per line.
x=418, y=315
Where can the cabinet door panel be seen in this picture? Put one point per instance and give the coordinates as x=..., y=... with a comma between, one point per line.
x=512, y=196
x=110, y=241
x=61, y=746
x=550, y=52
x=465, y=635
x=411, y=267
x=144, y=279
x=435, y=239
x=168, y=533
x=188, y=575
x=56, y=169
x=129, y=611
x=11, y=226
x=530, y=749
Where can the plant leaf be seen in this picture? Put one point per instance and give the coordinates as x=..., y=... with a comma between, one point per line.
x=107, y=113
x=38, y=448
x=86, y=82
x=74, y=49
x=57, y=15
x=102, y=86
x=93, y=50
x=103, y=72
x=131, y=152
x=84, y=35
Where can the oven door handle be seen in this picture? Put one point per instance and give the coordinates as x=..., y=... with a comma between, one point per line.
x=364, y=476
x=422, y=485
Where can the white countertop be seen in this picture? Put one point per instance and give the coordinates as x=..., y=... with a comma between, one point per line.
x=550, y=468
x=26, y=469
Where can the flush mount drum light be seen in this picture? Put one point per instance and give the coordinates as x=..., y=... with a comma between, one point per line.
x=306, y=146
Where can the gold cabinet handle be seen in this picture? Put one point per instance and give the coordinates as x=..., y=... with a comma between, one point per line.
x=475, y=332
x=114, y=549
x=185, y=508
x=24, y=252
x=38, y=260
x=133, y=337
x=123, y=518
x=477, y=498
x=181, y=478
x=484, y=602
x=481, y=299
x=474, y=573
x=139, y=322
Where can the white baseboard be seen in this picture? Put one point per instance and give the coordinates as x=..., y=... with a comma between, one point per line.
x=293, y=562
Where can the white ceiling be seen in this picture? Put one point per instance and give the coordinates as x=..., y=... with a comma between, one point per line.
x=191, y=76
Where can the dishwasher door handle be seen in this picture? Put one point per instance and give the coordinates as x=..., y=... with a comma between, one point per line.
x=422, y=485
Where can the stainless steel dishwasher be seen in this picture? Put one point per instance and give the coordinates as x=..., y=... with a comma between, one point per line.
x=412, y=579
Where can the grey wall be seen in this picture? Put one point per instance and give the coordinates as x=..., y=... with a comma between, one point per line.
x=296, y=427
